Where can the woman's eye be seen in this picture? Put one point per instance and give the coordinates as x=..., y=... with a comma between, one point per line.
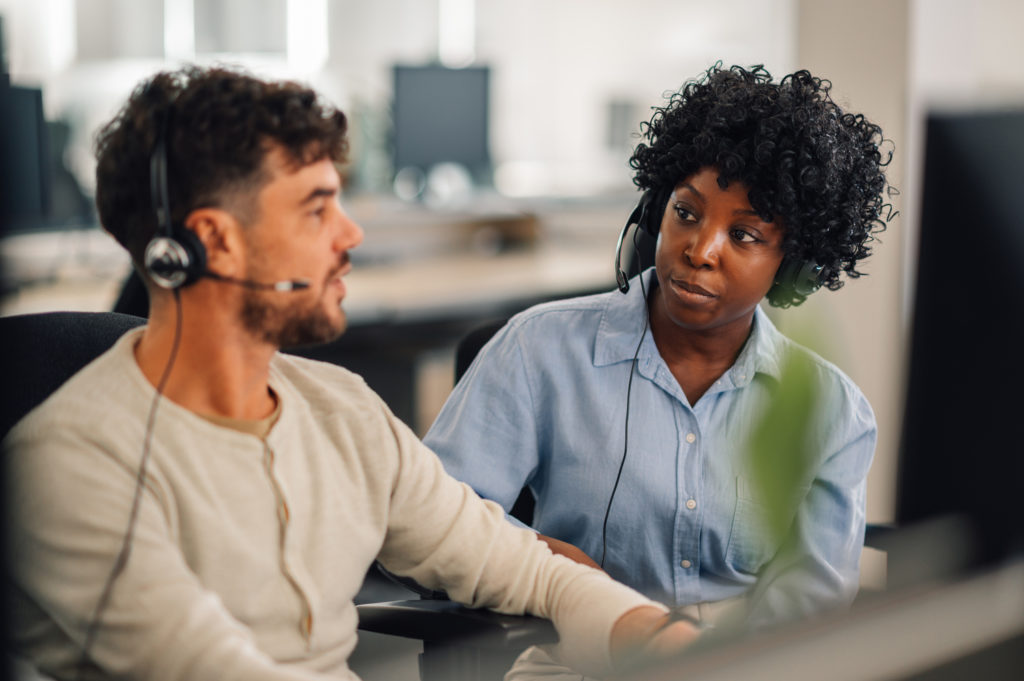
x=744, y=236
x=683, y=214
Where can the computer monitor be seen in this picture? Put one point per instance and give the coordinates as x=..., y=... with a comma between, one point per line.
x=962, y=451
x=440, y=115
x=24, y=158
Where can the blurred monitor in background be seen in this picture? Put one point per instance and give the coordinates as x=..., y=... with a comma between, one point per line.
x=37, y=190
x=962, y=454
x=440, y=131
x=24, y=155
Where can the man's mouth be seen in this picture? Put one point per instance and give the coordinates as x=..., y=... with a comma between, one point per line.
x=343, y=268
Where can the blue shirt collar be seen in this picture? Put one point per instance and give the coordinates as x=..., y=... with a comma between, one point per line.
x=622, y=323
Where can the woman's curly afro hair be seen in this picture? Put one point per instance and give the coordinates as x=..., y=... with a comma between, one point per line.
x=804, y=159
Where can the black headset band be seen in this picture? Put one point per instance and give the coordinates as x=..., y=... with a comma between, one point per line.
x=795, y=276
x=173, y=257
x=158, y=178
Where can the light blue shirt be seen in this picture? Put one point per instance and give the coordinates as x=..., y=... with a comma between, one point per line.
x=544, y=405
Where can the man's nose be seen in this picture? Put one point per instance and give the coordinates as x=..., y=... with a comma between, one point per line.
x=349, y=234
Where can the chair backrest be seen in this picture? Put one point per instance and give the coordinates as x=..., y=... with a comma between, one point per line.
x=133, y=298
x=469, y=346
x=42, y=351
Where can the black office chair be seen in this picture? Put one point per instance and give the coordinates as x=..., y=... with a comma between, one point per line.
x=42, y=351
x=133, y=297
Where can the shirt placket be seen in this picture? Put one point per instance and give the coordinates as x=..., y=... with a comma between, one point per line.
x=305, y=624
x=689, y=509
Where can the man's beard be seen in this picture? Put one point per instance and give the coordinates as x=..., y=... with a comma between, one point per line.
x=285, y=325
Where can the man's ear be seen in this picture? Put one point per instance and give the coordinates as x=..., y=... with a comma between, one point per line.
x=221, y=235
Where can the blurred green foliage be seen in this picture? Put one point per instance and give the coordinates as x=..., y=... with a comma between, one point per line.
x=779, y=450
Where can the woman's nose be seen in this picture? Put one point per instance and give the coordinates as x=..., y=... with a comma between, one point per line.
x=703, y=248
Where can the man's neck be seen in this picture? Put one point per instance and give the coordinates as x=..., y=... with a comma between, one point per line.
x=219, y=368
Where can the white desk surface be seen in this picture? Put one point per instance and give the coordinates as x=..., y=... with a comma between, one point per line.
x=461, y=283
x=574, y=252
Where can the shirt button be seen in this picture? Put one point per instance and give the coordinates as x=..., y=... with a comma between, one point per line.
x=691, y=438
x=686, y=563
x=691, y=504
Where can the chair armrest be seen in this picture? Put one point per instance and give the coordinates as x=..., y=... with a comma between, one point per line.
x=446, y=622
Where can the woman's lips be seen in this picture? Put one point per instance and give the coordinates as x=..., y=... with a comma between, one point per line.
x=692, y=289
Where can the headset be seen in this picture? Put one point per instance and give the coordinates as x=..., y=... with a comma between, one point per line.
x=175, y=257
x=802, y=277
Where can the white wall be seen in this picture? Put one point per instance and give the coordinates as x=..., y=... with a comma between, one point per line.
x=893, y=59
x=861, y=47
x=556, y=65
x=961, y=54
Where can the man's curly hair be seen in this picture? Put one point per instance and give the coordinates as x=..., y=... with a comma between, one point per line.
x=218, y=124
x=804, y=159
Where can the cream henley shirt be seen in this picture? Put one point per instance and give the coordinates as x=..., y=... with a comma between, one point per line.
x=247, y=552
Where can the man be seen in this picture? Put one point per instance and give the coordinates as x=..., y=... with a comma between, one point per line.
x=195, y=505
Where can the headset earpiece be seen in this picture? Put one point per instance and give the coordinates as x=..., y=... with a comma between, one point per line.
x=654, y=201
x=175, y=261
x=802, y=277
x=638, y=217
x=646, y=216
x=174, y=257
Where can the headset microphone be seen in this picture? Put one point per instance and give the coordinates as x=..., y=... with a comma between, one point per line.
x=635, y=218
x=795, y=275
x=175, y=257
x=172, y=262
x=284, y=285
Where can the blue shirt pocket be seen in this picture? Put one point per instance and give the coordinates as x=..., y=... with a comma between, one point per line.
x=750, y=543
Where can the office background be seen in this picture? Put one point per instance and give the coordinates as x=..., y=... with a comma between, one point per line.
x=569, y=83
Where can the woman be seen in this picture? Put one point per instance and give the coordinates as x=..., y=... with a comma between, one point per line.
x=629, y=415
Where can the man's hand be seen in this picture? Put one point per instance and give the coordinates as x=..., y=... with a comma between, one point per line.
x=644, y=634
x=568, y=550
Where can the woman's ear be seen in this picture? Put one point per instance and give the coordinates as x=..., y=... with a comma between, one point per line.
x=221, y=236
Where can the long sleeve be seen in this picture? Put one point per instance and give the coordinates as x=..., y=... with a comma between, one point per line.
x=443, y=535
x=816, y=567
x=486, y=434
x=70, y=501
x=247, y=552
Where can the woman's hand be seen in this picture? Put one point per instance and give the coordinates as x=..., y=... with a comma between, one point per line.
x=647, y=633
x=568, y=550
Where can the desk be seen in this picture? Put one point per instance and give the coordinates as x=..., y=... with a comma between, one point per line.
x=465, y=286
x=971, y=627
x=405, y=320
